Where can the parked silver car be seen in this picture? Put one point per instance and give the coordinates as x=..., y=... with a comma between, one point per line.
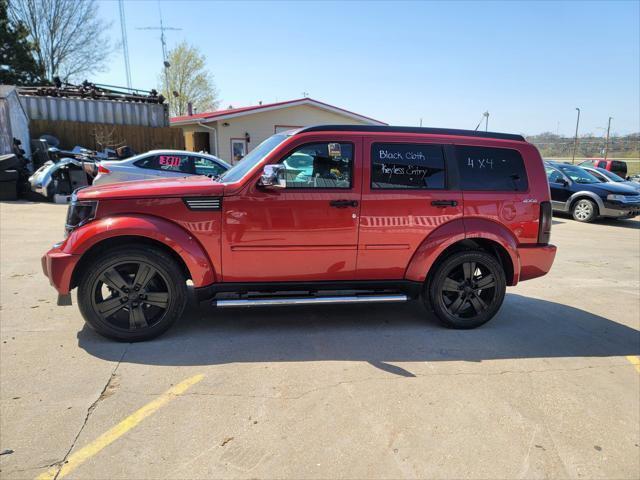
x=159, y=164
x=610, y=177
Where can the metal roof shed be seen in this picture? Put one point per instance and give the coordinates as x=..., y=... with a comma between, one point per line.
x=14, y=122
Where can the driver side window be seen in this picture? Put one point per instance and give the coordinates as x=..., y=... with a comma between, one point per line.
x=554, y=176
x=319, y=165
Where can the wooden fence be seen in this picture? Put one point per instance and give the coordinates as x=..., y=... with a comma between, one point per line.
x=97, y=136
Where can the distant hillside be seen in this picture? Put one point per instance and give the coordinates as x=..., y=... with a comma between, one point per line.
x=552, y=145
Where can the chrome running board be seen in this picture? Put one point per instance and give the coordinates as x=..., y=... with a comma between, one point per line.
x=286, y=301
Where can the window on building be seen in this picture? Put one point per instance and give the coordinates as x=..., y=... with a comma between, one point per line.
x=238, y=149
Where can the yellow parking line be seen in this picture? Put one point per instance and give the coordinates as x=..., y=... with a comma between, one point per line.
x=635, y=360
x=110, y=436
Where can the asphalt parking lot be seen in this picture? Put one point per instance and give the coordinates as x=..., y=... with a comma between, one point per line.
x=549, y=388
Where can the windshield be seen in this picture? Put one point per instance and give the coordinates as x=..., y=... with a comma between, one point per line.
x=253, y=157
x=578, y=174
x=610, y=175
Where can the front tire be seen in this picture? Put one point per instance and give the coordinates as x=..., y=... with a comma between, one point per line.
x=584, y=210
x=132, y=293
x=467, y=289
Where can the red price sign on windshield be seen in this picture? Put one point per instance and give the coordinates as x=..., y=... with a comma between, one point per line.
x=170, y=161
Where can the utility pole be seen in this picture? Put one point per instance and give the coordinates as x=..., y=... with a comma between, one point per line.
x=486, y=124
x=606, y=142
x=163, y=42
x=575, y=141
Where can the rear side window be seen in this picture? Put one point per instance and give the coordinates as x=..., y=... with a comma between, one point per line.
x=494, y=169
x=602, y=164
x=619, y=167
x=171, y=163
x=407, y=166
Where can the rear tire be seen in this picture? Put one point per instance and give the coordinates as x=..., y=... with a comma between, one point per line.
x=584, y=210
x=466, y=289
x=132, y=294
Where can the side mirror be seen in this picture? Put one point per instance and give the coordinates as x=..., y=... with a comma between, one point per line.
x=564, y=182
x=273, y=176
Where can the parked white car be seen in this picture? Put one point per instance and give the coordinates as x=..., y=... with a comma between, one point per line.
x=159, y=164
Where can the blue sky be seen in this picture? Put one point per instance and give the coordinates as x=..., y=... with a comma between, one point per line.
x=528, y=63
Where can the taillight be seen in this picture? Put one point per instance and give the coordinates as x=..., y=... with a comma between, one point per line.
x=103, y=170
x=544, y=227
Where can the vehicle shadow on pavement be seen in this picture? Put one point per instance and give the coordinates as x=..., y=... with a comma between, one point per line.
x=524, y=328
x=604, y=222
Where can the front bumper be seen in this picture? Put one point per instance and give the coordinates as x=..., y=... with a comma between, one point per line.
x=535, y=260
x=58, y=267
x=620, y=210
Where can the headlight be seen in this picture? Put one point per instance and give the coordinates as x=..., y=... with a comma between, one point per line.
x=79, y=213
x=616, y=198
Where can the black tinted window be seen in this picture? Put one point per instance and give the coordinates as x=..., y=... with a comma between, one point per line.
x=319, y=165
x=406, y=165
x=171, y=163
x=483, y=168
x=205, y=166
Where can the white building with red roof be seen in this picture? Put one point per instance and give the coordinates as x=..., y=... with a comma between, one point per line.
x=232, y=132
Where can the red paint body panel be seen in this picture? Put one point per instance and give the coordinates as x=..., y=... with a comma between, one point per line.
x=58, y=267
x=536, y=261
x=394, y=223
x=152, y=189
x=262, y=235
x=292, y=234
x=429, y=250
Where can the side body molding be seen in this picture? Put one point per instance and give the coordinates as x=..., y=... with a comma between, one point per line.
x=460, y=229
x=168, y=233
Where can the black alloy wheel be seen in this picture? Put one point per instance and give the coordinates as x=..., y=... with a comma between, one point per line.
x=132, y=294
x=467, y=289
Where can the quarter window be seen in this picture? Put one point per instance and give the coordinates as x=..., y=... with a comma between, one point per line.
x=496, y=169
x=407, y=166
x=319, y=165
x=205, y=166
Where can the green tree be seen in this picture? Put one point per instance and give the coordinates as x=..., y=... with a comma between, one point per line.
x=17, y=65
x=187, y=80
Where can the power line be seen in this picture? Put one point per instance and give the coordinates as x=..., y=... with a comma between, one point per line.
x=163, y=42
x=125, y=45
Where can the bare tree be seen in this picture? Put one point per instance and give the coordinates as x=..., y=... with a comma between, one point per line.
x=188, y=76
x=68, y=35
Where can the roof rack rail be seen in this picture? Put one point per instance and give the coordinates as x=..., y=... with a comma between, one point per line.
x=430, y=131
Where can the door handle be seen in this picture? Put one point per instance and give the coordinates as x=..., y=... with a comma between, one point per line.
x=343, y=203
x=444, y=203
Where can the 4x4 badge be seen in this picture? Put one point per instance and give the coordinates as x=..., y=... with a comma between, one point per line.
x=529, y=200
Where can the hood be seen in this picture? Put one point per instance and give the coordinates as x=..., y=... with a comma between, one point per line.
x=630, y=184
x=166, y=187
x=606, y=188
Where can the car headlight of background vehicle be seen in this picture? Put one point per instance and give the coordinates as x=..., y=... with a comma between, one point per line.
x=616, y=198
x=80, y=212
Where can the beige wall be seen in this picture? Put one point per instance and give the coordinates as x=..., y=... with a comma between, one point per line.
x=261, y=125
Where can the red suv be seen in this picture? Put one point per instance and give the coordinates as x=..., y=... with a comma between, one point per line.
x=325, y=214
